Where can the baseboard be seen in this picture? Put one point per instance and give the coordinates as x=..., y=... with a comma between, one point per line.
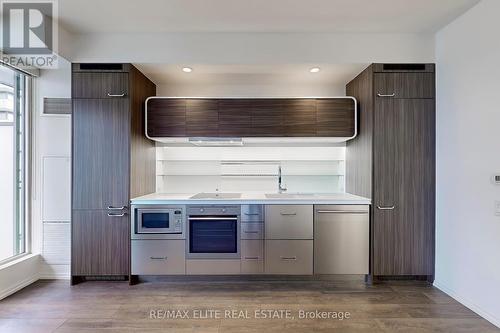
x=471, y=305
x=19, y=286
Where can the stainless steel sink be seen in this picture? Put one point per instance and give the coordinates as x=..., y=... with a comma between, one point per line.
x=205, y=195
x=288, y=195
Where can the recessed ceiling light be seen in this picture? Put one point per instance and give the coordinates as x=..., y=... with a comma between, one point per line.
x=187, y=69
x=314, y=70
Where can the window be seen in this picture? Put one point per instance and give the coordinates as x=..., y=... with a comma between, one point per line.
x=13, y=152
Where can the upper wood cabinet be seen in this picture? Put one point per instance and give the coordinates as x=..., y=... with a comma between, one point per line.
x=256, y=117
x=100, y=85
x=404, y=85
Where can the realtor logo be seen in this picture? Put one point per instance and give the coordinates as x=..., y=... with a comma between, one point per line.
x=29, y=33
x=27, y=27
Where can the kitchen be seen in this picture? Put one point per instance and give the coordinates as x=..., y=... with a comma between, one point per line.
x=307, y=169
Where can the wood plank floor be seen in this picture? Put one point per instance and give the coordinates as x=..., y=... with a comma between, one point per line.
x=54, y=306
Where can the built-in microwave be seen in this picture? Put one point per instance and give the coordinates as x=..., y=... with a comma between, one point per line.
x=158, y=222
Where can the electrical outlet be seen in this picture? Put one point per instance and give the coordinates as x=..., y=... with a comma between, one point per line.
x=497, y=208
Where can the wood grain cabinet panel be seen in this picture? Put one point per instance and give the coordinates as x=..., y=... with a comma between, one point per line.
x=100, y=153
x=166, y=117
x=235, y=118
x=398, y=142
x=99, y=85
x=258, y=117
x=404, y=178
x=100, y=244
x=202, y=117
x=405, y=85
x=112, y=161
x=300, y=117
x=267, y=117
x=335, y=117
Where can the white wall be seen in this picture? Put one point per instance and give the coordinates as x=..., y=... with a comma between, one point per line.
x=52, y=161
x=468, y=154
x=252, y=48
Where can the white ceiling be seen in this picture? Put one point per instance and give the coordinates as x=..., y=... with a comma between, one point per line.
x=395, y=16
x=248, y=80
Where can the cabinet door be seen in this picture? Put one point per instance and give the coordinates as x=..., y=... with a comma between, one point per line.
x=202, y=117
x=335, y=117
x=404, y=85
x=101, y=130
x=100, y=243
x=267, y=117
x=235, y=118
x=404, y=180
x=299, y=117
x=100, y=85
x=166, y=117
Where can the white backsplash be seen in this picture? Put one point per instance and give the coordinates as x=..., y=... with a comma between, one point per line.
x=243, y=169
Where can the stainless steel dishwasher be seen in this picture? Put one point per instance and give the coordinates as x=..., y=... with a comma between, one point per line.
x=341, y=239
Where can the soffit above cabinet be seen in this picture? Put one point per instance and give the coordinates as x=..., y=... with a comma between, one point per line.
x=251, y=121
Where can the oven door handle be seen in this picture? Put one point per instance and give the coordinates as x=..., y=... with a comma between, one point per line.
x=213, y=218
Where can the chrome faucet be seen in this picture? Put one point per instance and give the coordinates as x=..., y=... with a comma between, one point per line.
x=281, y=187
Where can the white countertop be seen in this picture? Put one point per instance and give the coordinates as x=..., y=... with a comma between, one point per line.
x=254, y=198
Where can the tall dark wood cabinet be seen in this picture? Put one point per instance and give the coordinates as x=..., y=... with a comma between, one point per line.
x=112, y=162
x=392, y=161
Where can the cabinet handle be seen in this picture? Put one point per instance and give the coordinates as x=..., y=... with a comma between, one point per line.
x=116, y=95
x=251, y=232
x=386, y=95
x=288, y=258
x=342, y=211
x=116, y=215
x=252, y=258
x=158, y=258
x=251, y=214
x=288, y=214
x=116, y=208
x=386, y=208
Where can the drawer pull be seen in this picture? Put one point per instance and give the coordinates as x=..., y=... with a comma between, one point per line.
x=386, y=95
x=251, y=232
x=158, y=258
x=288, y=214
x=288, y=258
x=116, y=95
x=252, y=258
x=116, y=208
x=342, y=211
x=116, y=215
x=251, y=214
x=386, y=208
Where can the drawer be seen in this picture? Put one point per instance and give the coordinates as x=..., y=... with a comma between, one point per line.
x=252, y=256
x=404, y=85
x=289, y=257
x=289, y=222
x=252, y=213
x=158, y=257
x=252, y=249
x=252, y=231
x=213, y=267
x=100, y=85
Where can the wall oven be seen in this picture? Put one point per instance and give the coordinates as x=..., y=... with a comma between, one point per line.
x=158, y=222
x=213, y=232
